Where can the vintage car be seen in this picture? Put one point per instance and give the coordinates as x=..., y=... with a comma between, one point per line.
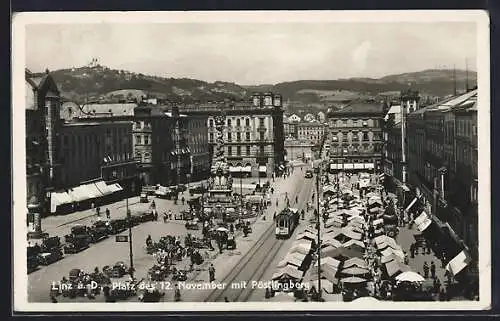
x=116, y=226
x=147, y=216
x=78, y=231
x=197, y=190
x=144, y=198
x=76, y=244
x=116, y=271
x=47, y=258
x=33, y=258
x=50, y=243
x=181, y=188
x=151, y=295
x=309, y=174
x=98, y=231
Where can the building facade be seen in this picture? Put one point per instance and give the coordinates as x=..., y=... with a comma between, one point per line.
x=200, y=157
x=93, y=151
x=355, y=137
x=311, y=132
x=253, y=133
x=442, y=161
x=41, y=99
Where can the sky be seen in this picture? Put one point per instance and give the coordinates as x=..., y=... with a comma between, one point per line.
x=255, y=53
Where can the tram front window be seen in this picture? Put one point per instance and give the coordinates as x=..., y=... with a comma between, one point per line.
x=282, y=222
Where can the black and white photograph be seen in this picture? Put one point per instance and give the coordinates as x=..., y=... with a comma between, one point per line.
x=251, y=161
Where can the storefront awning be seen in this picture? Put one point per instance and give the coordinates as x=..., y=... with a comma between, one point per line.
x=369, y=166
x=262, y=169
x=235, y=169
x=458, y=263
x=282, y=167
x=358, y=166
x=381, y=176
x=93, y=191
x=58, y=199
x=348, y=166
x=334, y=166
x=115, y=187
x=104, y=188
x=411, y=204
x=79, y=193
x=246, y=169
x=424, y=225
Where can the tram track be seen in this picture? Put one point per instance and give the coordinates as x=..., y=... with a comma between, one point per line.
x=238, y=283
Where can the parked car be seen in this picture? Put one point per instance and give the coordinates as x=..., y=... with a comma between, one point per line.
x=197, y=190
x=116, y=226
x=309, y=174
x=78, y=231
x=144, y=198
x=77, y=244
x=98, y=231
x=47, y=258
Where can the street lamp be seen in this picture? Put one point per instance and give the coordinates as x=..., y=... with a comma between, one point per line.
x=129, y=218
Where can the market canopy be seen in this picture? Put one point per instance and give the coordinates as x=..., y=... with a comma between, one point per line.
x=389, y=258
x=410, y=276
x=394, y=267
x=365, y=299
x=302, y=248
x=353, y=280
x=388, y=251
x=355, y=261
x=341, y=253
x=355, y=245
x=290, y=260
x=329, y=261
x=307, y=235
x=330, y=242
x=288, y=272
x=353, y=271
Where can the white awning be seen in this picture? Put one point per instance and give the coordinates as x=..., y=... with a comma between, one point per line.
x=79, y=193
x=358, y=166
x=115, y=187
x=411, y=204
x=235, y=169
x=262, y=169
x=246, y=169
x=348, y=166
x=381, y=176
x=405, y=188
x=334, y=166
x=93, y=191
x=369, y=165
x=424, y=225
x=103, y=188
x=458, y=263
x=420, y=219
x=59, y=198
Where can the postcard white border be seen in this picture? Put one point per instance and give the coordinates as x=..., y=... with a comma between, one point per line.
x=20, y=20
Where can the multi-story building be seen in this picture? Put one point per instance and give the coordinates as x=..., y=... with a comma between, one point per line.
x=395, y=150
x=442, y=161
x=312, y=132
x=41, y=98
x=93, y=151
x=197, y=134
x=253, y=133
x=355, y=137
x=289, y=129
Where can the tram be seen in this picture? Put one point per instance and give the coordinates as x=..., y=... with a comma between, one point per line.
x=286, y=222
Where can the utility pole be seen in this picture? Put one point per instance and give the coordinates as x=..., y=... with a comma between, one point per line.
x=466, y=76
x=454, y=81
x=318, y=222
x=404, y=103
x=129, y=217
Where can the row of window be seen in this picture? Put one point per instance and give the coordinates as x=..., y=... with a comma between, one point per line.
x=229, y=122
x=247, y=149
x=356, y=149
x=238, y=136
x=355, y=123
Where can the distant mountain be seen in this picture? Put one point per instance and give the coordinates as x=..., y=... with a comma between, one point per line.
x=99, y=82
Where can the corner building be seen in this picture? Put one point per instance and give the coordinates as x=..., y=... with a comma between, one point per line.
x=355, y=137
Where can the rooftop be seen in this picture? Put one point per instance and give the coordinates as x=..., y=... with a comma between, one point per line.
x=126, y=109
x=360, y=107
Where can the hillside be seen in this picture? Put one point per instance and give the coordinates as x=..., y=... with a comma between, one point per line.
x=94, y=82
x=91, y=83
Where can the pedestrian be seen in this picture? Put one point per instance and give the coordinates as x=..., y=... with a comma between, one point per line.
x=165, y=217
x=211, y=273
x=177, y=293
x=226, y=299
x=170, y=214
x=433, y=270
x=426, y=270
x=412, y=250
x=443, y=260
x=108, y=214
x=183, y=200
